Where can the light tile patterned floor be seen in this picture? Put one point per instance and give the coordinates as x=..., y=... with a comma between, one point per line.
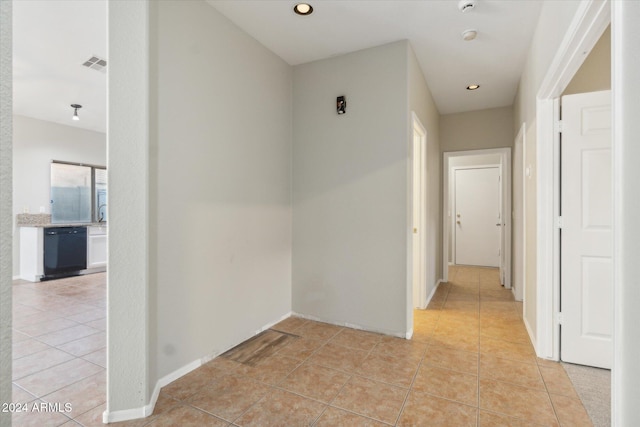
x=470, y=362
x=59, y=348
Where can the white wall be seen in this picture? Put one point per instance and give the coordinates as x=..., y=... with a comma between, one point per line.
x=350, y=180
x=626, y=91
x=35, y=144
x=6, y=216
x=128, y=302
x=476, y=130
x=220, y=185
x=555, y=18
x=421, y=102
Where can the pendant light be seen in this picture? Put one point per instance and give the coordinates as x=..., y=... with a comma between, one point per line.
x=75, y=111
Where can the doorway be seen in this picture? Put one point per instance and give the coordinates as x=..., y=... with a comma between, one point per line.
x=478, y=159
x=586, y=286
x=419, y=213
x=478, y=212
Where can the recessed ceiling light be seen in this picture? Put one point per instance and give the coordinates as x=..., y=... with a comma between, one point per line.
x=303, y=9
x=473, y=87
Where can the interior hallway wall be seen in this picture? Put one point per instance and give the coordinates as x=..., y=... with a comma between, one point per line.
x=421, y=102
x=221, y=184
x=555, y=18
x=476, y=130
x=35, y=144
x=6, y=214
x=595, y=73
x=350, y=178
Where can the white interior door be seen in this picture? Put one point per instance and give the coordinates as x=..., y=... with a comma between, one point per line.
x=477, y=218
x=419, y=216
x=586, y=237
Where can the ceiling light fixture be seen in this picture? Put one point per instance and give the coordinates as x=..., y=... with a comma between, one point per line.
x=75, y=111
x=468, y=35
x=473, y=87
x=303, y=9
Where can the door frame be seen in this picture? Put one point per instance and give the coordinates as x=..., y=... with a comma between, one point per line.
x=453, y=233
x=590, y=21
x=519, y=216
x=505, y=162
x=421, y=292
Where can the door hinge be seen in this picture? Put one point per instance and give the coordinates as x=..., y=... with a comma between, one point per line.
x=559, y=222
x=559, y=318
x=558, y=126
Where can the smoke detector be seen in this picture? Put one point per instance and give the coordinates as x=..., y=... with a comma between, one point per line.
x=466, y=5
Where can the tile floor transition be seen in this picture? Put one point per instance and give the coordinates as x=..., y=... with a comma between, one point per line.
x=470, y=363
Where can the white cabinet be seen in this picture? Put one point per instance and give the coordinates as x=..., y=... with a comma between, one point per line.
x=31, y=253
x=96, y=247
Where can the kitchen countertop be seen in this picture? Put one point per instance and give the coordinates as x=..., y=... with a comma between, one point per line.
x=44, y=221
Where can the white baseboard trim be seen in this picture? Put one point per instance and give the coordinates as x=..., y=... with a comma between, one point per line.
x=15, y=277
x=433, y=292
x=532, y=337
x=351, y=325
x=145, y=411
x=409, y=334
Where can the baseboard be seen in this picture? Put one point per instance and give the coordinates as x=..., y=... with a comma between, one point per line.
x=145, y=411
x=16, y=277
x=352, y=325
x=409, y=334
x=433, y=292
x=532, y=337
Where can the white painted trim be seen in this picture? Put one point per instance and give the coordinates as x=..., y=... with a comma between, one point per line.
x=409, y=334
x=433, y=292
x=145, y=411
x=519, y=289
x=505, y=163
x=532, y=337
x=416, y=124
x=15, y=277
x=588, y=24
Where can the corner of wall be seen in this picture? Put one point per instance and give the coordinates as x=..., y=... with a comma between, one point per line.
x=6, y=214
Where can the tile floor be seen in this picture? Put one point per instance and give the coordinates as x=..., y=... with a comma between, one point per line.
x=59, y=347
x=470, y=362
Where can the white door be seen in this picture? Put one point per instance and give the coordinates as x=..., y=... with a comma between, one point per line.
x=477, y=216
x=586, y=238
x=419, y=215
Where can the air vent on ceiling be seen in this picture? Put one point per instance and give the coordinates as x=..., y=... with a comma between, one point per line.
x=96, y=63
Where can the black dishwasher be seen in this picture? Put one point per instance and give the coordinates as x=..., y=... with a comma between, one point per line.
x=65, y=251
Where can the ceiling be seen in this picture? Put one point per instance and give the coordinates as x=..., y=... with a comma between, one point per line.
x=51, y=41
x=53, y=38
x=495, y=59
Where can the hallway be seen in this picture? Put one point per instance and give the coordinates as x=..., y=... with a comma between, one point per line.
x=469, y=363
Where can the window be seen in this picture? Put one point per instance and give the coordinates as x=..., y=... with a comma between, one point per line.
x=78, y=193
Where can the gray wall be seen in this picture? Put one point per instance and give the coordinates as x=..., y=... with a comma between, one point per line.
x=475, y=130
x=626, y=89
x=595, y=72
x=555, y=18
x=350, y=189
x=35, y=144
x=5, y=207
x=220, y=184
x=421, y=102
